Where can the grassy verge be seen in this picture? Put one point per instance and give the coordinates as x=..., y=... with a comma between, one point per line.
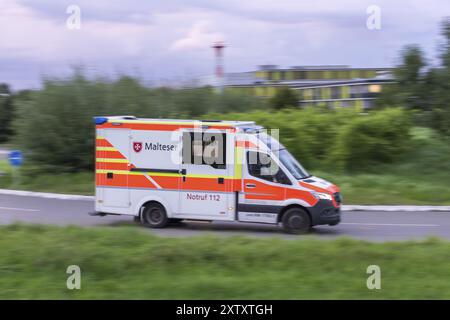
x=124, y=263
x=390, y=187
x=71, y=183
x=420, y=177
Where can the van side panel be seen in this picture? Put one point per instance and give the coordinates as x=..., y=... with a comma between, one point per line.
x=136, y=166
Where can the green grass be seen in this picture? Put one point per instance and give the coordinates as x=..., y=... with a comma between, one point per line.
x=420, y=177
x=126, y=263
x=71, y=183
x=385, y=189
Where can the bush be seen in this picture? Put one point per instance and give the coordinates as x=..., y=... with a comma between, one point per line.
x=6, y=113
x=54, y=125
x=377, y=137
x=341, y=138
x=284, y=98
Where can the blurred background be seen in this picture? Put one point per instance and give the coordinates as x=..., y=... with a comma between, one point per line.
x=358, y=91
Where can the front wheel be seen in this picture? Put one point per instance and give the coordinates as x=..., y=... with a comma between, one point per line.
x=296, y=221
x=154, y=216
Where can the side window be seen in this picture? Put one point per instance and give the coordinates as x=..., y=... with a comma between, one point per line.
x=205, y=148
x=260, y=165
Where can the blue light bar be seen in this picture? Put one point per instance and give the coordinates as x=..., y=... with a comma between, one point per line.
x=100, y=120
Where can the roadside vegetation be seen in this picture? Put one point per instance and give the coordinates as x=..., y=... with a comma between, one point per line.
x=395, y=153
x=125, y=263
x=413, y=168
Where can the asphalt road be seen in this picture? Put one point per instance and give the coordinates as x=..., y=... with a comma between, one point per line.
x=367, y=225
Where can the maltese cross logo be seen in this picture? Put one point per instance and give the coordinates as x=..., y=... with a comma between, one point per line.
x=137, y=146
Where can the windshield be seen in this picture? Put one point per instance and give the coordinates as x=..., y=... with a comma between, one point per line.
x=294, y=167
x=291, y=164
x=269, y=141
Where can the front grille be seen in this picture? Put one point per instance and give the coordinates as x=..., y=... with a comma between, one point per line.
x=338, y=197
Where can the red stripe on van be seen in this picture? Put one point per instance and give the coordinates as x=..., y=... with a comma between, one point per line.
x=158, y=127
x=102, y=143
x=109, y=155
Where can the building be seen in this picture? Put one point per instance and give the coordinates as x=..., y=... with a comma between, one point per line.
x=333, y=86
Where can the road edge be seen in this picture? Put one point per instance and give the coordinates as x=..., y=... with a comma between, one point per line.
x=47, y=195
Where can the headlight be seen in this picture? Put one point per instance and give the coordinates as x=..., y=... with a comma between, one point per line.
x=324, y=196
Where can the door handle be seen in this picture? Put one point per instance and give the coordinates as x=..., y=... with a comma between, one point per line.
x=250, y=185
x=183, y=173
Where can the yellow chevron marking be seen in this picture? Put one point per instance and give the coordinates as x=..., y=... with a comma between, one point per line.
x=112, y=160
x=106, y=149
x=238, y=153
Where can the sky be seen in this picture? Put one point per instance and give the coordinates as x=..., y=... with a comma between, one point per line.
x=169, y=41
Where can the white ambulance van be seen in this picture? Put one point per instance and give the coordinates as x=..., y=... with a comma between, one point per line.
x=161, y=171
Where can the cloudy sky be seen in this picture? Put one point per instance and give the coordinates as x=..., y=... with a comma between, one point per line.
x=160, y=41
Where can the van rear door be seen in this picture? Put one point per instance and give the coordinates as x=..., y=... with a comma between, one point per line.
x=206, y=179
x=111, y=162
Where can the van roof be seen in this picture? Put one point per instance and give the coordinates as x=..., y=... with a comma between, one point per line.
x=133, y=119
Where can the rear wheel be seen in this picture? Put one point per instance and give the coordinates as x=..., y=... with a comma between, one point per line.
x=154, y=216
x=296, y=221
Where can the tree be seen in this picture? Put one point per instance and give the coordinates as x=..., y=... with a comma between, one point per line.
x=54, y=124
x=6, y=113
x=284, y=98
x=410, y=78
x=439, y=93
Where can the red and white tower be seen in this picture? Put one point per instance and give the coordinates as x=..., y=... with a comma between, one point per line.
x=218, y=49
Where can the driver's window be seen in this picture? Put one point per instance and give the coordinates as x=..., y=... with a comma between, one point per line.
x=260, y=165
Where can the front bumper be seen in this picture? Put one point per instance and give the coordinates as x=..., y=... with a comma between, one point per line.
x=324, y=212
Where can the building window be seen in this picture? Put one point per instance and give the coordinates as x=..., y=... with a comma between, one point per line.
x=367, y=104
x=355, y=92
x=335, y=92
x=277, y=75
x=374, y=88
x=317, y=95
x=307, y=94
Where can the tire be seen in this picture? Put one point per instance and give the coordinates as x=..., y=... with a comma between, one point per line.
x=296, y=221
x=154, y=216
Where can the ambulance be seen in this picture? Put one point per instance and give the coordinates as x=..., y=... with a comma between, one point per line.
x=164, y=170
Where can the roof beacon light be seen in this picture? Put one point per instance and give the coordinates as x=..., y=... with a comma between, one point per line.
x=100, y=120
